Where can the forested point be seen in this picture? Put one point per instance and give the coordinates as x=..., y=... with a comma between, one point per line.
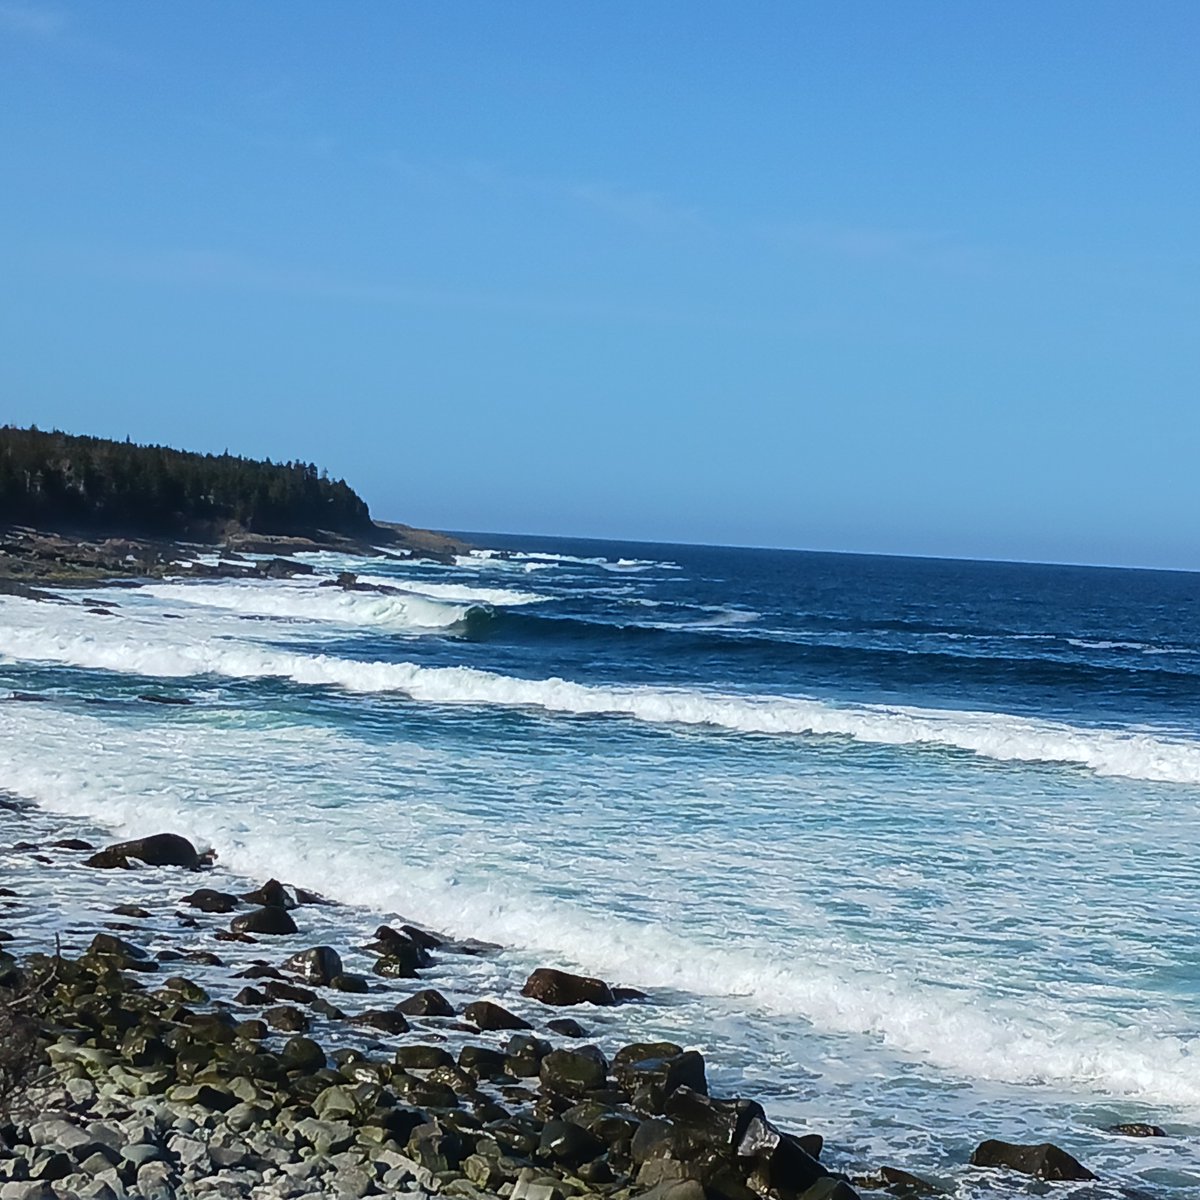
x=59, y=480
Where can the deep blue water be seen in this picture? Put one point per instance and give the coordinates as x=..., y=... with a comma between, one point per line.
x=866, y=827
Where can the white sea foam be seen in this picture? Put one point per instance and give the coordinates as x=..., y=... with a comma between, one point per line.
x=181, y=779
x=541, y=559
x=37, y=633
x=304, y=601
x=470, y=594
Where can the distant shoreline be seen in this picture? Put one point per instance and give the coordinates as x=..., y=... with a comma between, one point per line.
x=32, y=559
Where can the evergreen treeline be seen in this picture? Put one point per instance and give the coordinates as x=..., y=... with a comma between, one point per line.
x=60, y=480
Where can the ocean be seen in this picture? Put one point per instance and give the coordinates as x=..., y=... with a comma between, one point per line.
x=907, y=847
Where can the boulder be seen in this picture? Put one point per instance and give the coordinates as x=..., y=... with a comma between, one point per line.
x=350, y=983
x=285, y=1017
x=1138, y=1129
x=211, y=901
x=391, y=943
x=721, y=1125
x=485, y=1015
x=319, y=965
x=273, y=989
x=264, y=920
x=427, y=1003
x=272, y=894
x=1044, y=1160
x=649, y=1072
x=482, y=1062
x=158, y=850
x=568, y=1144
x=423, y=938
x=781, y=1165
x=574, y=1072
x=560, y=988
x=387, y=1020
x=423, y=1058
x=302, y=1054
x=567, y=1026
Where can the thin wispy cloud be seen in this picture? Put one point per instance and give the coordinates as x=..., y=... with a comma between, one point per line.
x=32, y=21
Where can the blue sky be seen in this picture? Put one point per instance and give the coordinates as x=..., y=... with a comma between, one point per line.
x=903, y=277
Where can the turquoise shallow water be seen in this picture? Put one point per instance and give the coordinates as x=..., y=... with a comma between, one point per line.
x=906, y=846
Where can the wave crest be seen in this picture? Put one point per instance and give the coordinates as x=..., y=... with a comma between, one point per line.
x=145, y=650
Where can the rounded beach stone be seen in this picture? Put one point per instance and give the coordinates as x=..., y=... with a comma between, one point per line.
x=265, y=921
x=561, y=988
x=319, y=965
x=1045, y=1160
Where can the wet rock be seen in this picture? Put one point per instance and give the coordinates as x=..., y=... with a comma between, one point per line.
x=158, y=850
x=274, y=921
x=160, y=698
x=426, y=1003
x=353, y=984
x=485, y=1015
x=422, y=937
x=398, y=966
x=318, y=965
x=120, y=953
x=728, y=1126
x=211, y=901
x=302, y=1054
x=569, y=1144
x=649, y=1072
x=275, y=990
x=423, y=1058
x=901, y=1183
x=472, y=947
x=435, y=1147
x=184, y=990
x=483, y=1062
x=779, y=1162
x=629, y=995
x=830, y=1188
x=109, y=859
x=387, y=1020
x=392, y=944
x=574, y=1072
x=258, y=970
x=1044, y=1160
x=567, y=1026
x=524, y=1054
x=272, y=894
x=287, y=1018
x=1138, y=1129
x=560, y=988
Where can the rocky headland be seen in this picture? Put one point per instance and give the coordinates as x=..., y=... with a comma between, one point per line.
x=81, y=510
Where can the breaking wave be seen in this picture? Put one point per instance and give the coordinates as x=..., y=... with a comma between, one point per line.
x=144, y=647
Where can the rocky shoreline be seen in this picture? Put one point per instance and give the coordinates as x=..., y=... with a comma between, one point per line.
x=204, y=1041
x=32, y=559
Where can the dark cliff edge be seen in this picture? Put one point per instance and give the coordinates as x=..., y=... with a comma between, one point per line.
x=79, y=509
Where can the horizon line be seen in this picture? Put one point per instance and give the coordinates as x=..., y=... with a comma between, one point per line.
x=1012, y=562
